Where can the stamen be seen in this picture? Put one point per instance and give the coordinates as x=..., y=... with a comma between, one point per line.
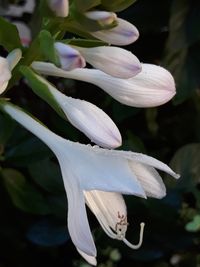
x=140, y=240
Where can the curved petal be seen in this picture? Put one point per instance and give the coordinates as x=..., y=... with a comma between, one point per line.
x=109, y=208
x=90, y=259
x=14, y=57
x=150, y=180
x=100, y=171
x=78, y=225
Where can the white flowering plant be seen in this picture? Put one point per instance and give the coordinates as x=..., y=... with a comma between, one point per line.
x=81, y=148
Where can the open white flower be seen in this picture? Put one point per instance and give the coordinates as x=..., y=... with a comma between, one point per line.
x=153, y=86
x=6, y=66
x=123, y=34
x=114, y=61
x=86, y=168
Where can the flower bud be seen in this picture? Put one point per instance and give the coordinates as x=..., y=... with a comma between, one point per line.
x=123, y=34
x=152, y=87
x=5, y=74
x=60, y=7
x=69, y=57
x=6, y=66
x=103, y=17
x=114, y=61
x=24, y=33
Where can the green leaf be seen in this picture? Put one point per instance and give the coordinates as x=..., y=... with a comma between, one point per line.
x=84, y=5
x=186, y=163
x=46, y=173
x=27, y=151
x=6, y=128
x=24, y=195
x=9, y=36
x=194, y=225
x=41, y=89
x=117, y=5
x=47, y=47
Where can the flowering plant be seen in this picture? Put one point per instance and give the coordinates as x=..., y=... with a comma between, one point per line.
x=79, y=41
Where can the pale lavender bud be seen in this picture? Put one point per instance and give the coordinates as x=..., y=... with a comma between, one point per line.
x=69, y=57
x=115, y=61
x=103, y=17
x=152, y=87
x=60, y=7
x=123, y=34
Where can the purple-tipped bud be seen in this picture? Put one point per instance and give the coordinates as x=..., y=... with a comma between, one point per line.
x=115, y=61
x=123, y=34
x=69, y=57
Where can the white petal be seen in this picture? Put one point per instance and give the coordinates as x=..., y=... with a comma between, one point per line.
x=150, y=180
x=99, y=171
x=14, y=57
x=108, y=207
x=78, y=225
x=114, y=61
x=90, y=259
x=3, y=87
x=123, y=34
x=138, y=157
x=153, y=86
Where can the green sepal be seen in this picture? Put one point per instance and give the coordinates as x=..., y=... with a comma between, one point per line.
x=84, y=42
x=9, y=36
x=84, y=5
x=116, y=5
x=47, y=47
x=41, y=89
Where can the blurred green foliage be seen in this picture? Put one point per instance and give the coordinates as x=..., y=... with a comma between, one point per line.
x=33, y=204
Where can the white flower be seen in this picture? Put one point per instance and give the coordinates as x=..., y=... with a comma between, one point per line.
x=60, y=7
x=6, y=66
x=84, y=169
x=153, y=86
x=123, y=34
x=69, y=57
x=88, y=118
x=103, y=17
x=114, y=61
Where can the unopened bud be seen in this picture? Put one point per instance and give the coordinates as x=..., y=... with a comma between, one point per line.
x=103, y=17
x=69, y=57
x=60, y=7
x=114, y=61
x=123, y=34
